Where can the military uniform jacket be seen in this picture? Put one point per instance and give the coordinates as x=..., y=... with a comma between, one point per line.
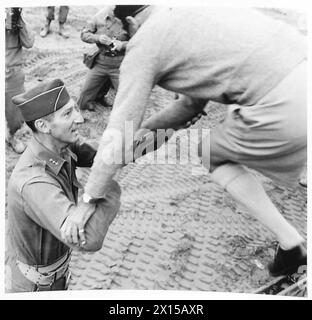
x=42, y=191
x=104, y=24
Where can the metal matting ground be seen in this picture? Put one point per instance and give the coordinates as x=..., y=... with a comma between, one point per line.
x=176, y=229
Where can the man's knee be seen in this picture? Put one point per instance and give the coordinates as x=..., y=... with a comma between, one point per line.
x=226, y=173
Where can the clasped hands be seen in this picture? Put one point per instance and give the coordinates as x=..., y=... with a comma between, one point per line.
x=72, y=230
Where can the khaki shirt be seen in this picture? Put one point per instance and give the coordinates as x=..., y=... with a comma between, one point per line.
x=103, y=23
x=42, y=192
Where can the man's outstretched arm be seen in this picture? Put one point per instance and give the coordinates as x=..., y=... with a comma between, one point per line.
x=63, y=218
x=116, y=143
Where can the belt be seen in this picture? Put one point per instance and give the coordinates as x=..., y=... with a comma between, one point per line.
x=46, y=275
x=112, y=53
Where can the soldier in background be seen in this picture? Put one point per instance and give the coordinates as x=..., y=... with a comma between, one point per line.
x=107, y=32
x=63, y=12
x=17, y=36
x=253, y=64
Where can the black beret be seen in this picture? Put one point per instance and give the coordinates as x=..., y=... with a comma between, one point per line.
x=42, y=100
x=123, y=11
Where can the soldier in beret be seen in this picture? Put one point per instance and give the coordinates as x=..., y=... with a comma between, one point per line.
x=111, y=40
x=43, y=217
x=237, y=57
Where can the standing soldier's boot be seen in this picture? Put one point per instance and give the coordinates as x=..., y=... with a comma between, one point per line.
x=62, y=31
x=46, y=29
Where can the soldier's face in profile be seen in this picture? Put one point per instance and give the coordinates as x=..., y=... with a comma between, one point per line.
x=65, y=123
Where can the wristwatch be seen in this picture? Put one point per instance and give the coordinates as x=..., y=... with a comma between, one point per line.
x=87, y=199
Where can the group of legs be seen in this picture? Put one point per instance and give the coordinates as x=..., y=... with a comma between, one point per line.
x=14, y=83
x=62, y=17
x=99, y=80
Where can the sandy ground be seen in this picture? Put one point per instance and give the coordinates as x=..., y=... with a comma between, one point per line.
x=175, y=229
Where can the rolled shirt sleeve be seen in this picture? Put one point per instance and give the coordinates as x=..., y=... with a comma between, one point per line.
x=88, y=33
x=91, y=34
x=138, y=74
x=97, y=226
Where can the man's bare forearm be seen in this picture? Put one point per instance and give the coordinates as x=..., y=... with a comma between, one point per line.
x=101, y=175
x=97, y=226
x=117, y=140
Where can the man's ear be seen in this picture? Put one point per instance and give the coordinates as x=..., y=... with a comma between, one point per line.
x=42, y=126
x=133, y=26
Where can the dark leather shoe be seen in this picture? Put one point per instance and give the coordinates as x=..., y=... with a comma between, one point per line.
x=287, y=262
